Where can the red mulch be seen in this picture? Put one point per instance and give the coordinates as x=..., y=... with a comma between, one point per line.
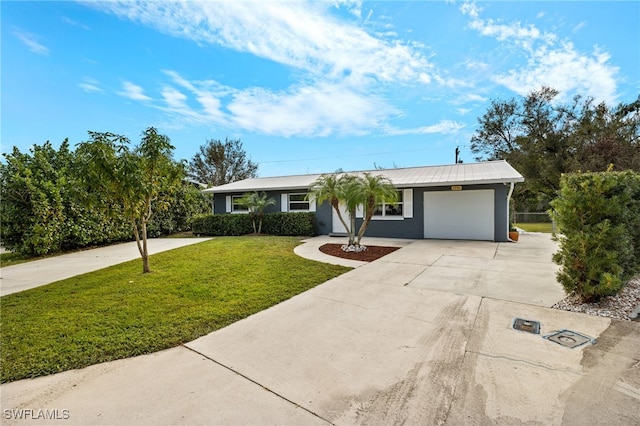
x=370, y=254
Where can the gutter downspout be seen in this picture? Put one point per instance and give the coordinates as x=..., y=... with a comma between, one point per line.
x=509, y=209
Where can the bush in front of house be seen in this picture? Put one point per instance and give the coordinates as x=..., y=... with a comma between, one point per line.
x=291, y=224
x=221, y=224
x=598, y=215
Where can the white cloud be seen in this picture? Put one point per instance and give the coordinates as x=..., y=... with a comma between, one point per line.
x=318, y=109
x=90, y=85
x=445, y=127
x=551, y=61
x=580, y=26
x=30, y=40
x=340, y=70
x=133, y=92
x=471, y=9
x=74, y=23
x=309, y=110
x=298, y=34
x=566, y=70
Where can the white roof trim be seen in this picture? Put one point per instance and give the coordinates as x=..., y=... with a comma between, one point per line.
x=489, y=172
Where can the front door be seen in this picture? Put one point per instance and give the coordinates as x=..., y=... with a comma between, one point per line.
x=336, y=226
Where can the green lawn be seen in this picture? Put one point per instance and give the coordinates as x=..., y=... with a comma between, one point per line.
x=118, y=312
x=536, y=227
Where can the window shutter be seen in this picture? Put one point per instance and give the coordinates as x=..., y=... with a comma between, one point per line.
x=228, y=204
x=407, y=199
x=312, y=203
x=284, y=202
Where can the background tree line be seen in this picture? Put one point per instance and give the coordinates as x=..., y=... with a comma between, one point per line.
x=544, y=138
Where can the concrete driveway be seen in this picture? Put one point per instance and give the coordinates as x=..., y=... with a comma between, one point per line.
x=423, y=336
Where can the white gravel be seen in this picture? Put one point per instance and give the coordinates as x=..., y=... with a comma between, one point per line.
x=619, y=306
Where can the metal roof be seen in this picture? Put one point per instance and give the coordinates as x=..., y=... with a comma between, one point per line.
x=454, y=174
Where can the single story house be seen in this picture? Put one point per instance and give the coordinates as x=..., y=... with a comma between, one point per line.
x=467, y=201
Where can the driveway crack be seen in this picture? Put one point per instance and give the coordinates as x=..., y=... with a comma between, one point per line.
x=259, y=384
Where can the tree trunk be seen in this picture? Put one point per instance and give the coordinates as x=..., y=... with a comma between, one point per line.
x=352, y=229
x=142, y=242
x=145, y=253
x=365, y=223
x=142, y=245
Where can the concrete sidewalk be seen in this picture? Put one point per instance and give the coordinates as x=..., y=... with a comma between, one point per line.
x=422, y=336
x=40, y=272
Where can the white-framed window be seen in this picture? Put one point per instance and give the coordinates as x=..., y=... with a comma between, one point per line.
x=401, y=209
x=298, y=202
x=390, y=210
x=236, y=207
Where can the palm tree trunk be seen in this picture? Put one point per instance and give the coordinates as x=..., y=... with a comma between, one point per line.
x=365, y=223
x=352, y=229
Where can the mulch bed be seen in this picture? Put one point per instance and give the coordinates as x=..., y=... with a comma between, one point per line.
x=370, y=254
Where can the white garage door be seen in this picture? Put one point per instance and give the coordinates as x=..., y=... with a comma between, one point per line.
x=459, y=215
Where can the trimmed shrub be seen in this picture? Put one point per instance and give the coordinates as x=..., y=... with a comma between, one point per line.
x=598, y=215
x=221, y=224
x=292, y=224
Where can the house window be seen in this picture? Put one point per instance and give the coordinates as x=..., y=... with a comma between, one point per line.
x=298, y=203
x=236, y=206
x=390, y=210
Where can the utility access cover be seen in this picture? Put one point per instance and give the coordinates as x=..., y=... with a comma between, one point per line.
x=569, y=338
x=529, y=326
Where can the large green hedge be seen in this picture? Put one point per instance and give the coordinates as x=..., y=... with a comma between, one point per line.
x=45, y=205
x=292, y=224
x=598, y=216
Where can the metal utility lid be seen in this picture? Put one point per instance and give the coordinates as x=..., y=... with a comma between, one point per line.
x=529, y=326
x=569, y=338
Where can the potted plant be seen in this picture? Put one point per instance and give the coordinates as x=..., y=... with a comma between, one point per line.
x=513, y=233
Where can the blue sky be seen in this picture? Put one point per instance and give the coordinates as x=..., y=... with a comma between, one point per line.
x=308, y=87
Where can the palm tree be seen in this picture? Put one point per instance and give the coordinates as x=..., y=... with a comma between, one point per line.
x=354, y=191
x=330, y=187
x=373, y=190
x=256, y=203
x=349, y=194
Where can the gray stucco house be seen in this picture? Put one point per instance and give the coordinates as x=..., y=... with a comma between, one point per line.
x=468, y=201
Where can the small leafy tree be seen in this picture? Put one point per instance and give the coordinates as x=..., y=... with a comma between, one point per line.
x=256, y=204
x=134, y=178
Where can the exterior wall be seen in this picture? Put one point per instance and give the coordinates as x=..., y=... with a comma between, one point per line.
x=410, y=228
x=323, y=218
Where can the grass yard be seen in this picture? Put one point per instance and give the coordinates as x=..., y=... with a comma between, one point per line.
x=118, y=312
x=536, y=227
